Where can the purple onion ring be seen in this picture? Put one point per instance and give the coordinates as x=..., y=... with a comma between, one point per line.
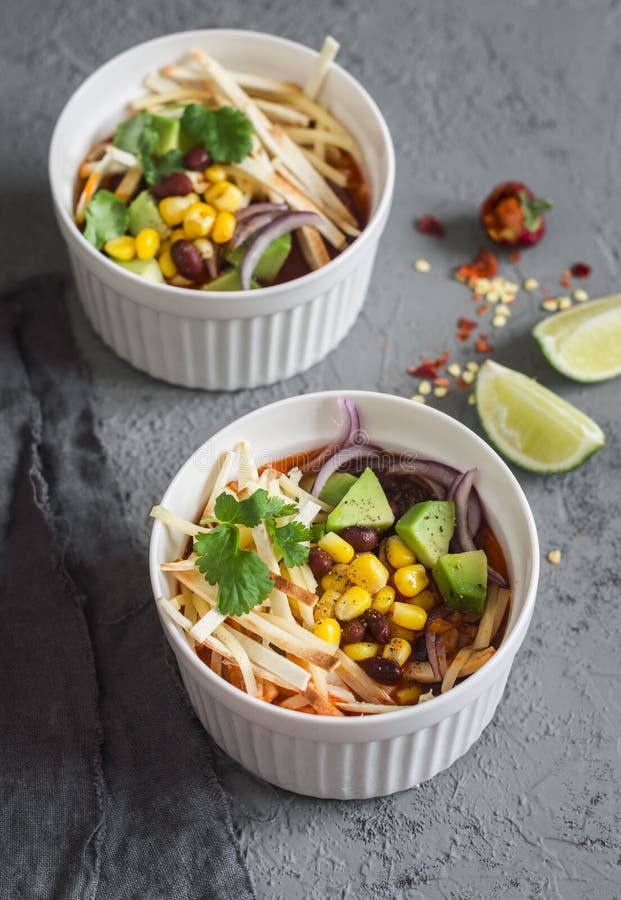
x=256, y=208
x=346, y=454
x=248, y=226
x=282, y=224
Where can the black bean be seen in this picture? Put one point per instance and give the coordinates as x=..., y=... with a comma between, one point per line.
x=319, y=562
x=378, y=626
x=386, y=671
x=363, y=540
x=197, y=159
x=177, y=184
x=188, y=260
x=353, y=631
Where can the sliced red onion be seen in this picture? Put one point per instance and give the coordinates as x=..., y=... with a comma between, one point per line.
x=250, y=225
x=256, y=208
x=428, y=469
x=354, y=435
x=329, y=451
x=459, y=492
x=282, y=224
x=338, y=459
x=463, y=542
x=441, y=654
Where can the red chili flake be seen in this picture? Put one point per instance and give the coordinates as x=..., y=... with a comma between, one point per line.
x=484, y=265
x=465, y=324
x=463, y=335
x=476, y=297
x=515, y=257
x=483, y=335
x=430, y=225
x=463, y=384
x=482, y=309
x=481, y=346
x=442, y=382
x=424, y=371
x=565, y=280
x=580, y=270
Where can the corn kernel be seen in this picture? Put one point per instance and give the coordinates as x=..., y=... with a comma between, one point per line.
x=398, y=554
x=410, y=580
x=337, y=549
x=223, y=227
x=123, y=247
x=397, y=631
x=226, y=197
x=368, y=572
x=383, y=600
x=328, y=630
x=337, y=579
x=426, y=600
x=408, y=615
x=399, y=650
x=408, y=696
x=324, y=608
x=167, y=265
x=361, y=650
x=147, y=243
x=215, y=173
x=204, y=247
x=173, y=209
x=177, y=234
x=198, y=220
x=352, y=603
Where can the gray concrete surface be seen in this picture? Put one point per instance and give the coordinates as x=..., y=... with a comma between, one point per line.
x=474, y=93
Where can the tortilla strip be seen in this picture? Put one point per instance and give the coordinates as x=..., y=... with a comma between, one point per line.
x=322, y=64
x=293, y=590
x=278, y=112
x=358, y=680
x=367, y=708
x=282, y=633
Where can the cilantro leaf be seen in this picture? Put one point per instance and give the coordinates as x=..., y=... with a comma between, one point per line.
x=245, y=582
x=215, y=550
x=288, y=540
x=253, y=509
x=129, y=133
x=225, y=133
x=106, y=218
x=317, y=532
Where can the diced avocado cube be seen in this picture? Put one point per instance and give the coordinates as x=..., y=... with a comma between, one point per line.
x=427, y=529
x=228, y=281
x=143, y=213
x=336, y=487
x=462, y=579
x=168, y=130
x=271, y=261
x=145, y=268
x=364, y=504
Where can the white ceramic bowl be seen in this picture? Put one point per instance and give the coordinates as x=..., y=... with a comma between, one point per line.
x=354, y=757
x=219, y=340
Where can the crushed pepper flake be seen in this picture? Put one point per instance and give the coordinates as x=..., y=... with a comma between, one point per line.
x=472, y=400
x=482, y=309
x=442, y=382
x=515, y=256
x=550, y=304
x=468, y=377
x=484, y=265
x=465, y=324
x=565, y=279
x=554, y=556
x=482, y=346
x=580, y=270
x=564, y=302
x=499, y=321
x=418, y=398
x=421, y=265
x=580, y=296
x=530, y=285
x=454, y=369
x=472, y=366
x=424, y=387
x=440, y=392
x=430, y=225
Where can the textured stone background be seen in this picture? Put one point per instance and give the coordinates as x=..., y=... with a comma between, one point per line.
x=474, y=93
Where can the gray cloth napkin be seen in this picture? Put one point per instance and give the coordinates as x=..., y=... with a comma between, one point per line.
x=107, y=788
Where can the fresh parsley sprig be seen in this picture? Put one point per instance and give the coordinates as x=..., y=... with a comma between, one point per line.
x=242, y=577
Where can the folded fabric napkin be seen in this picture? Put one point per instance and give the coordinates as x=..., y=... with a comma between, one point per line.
x=107, y=788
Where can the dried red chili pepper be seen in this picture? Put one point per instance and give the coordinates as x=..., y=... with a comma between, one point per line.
x=430, y=225
x=484, y=265
x=513, y=215
x=580, y=270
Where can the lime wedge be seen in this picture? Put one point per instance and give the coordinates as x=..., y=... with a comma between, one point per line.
x=532, y=426
x=584, y=343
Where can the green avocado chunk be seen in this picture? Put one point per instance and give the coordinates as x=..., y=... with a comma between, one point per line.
x=462, y=579
x=336, y=487
x=271, y=261
x=427, y=529
x=168, y=132
x=143, y=213
x=228, y=281
x=364, y=504
x=145, y=268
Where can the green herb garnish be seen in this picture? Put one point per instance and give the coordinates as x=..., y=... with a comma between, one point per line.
x=242, y=577
x=140, y=136
x=225, y=133
x=106, y=218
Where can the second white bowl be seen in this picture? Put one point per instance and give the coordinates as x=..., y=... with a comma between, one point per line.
x=374, y=755
x=219, y=341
